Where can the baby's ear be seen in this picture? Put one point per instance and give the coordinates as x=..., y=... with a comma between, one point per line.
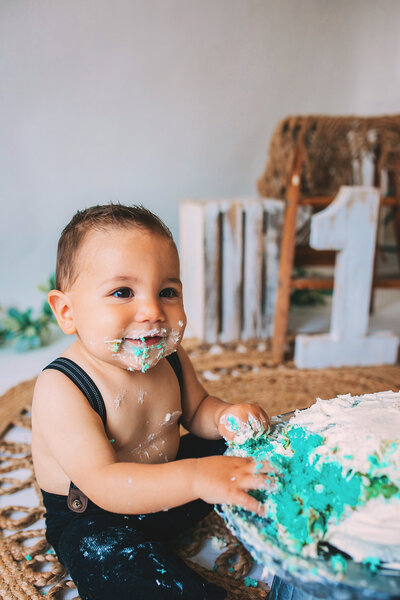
x=61, y=306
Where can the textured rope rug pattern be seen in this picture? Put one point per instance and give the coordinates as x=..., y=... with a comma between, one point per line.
x=29, y=568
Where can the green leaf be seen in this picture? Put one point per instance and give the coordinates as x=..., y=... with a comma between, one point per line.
x=3, y=336
x=307, y=297
x=22, y=328
x=24, y=343
x=11, y=325
x=30, y=331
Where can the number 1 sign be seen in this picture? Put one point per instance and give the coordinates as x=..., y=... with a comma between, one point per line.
x=348, y=225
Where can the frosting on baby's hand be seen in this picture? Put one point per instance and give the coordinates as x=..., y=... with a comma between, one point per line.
x=241, y=430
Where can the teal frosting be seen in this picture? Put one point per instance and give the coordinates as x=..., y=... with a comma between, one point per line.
x=144, y=353
x=312, y=490
x=233, y=423
x=250, y=582
x=309, y=491
x=115, y=346
x=338, y=563
x=372, y=563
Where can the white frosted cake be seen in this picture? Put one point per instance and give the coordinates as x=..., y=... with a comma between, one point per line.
x=338, y=491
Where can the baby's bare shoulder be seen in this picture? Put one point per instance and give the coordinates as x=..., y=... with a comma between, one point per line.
x=47, y=384
x=51, y=382
x=56, y=398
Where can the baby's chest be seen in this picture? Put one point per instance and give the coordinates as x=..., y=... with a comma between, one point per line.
x=141, y=414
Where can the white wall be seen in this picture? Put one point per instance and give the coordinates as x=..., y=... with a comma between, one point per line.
x=151, y=101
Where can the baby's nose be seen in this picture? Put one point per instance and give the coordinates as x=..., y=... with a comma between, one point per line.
x=150, y=310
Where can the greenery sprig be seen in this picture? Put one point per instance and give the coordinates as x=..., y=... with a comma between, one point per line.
x=24, y=330
x=307, y=297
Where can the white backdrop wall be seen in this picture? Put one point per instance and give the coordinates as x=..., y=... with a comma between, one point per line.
x=152, y=101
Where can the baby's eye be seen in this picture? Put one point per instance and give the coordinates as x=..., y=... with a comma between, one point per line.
x=168, y=293
x=123, y=293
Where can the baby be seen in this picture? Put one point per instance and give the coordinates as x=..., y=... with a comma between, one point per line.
x=117, y=478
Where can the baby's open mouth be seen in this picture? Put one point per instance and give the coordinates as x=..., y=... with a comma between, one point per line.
x=151, y=340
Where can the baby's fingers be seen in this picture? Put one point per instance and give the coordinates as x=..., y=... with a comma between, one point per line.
x=260, y=482
x=264, y=466
x=249, y=503
x=259, y=422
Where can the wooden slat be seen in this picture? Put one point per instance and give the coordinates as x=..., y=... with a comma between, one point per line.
x=323, y=201
x=304, y=283
x=306, y=256
x=253, y=266
x=274, y=210
x=317, y=201
x=231, y=271
x=387, y=282
x=212, y=268
x=230, y=266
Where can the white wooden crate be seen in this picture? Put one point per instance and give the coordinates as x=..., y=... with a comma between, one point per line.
x=229, y=263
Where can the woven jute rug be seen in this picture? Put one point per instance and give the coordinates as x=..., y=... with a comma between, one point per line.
x=29, y=568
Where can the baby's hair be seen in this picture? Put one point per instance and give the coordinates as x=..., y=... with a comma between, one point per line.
x=99, y=218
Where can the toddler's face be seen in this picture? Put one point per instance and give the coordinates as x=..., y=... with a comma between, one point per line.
x=127, y=299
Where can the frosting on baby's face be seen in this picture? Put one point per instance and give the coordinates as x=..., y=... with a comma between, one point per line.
x=144, y=349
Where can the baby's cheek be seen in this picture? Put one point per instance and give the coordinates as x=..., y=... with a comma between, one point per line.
x=175, y=336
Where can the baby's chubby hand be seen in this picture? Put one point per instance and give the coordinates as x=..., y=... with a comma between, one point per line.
x=240, y=422
x=227, y=479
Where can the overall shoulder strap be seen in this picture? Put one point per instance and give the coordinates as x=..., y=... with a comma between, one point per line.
x=77, y=501
x=175, y=363
x=82, y=380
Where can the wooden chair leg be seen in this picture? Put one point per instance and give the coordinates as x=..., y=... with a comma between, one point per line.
x=377, y=183
x=397, y=232
x=396, y=181
x=286, y=264
x=376, y=258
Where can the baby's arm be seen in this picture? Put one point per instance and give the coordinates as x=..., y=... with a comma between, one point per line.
x=76, y=439
x=210, y=417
